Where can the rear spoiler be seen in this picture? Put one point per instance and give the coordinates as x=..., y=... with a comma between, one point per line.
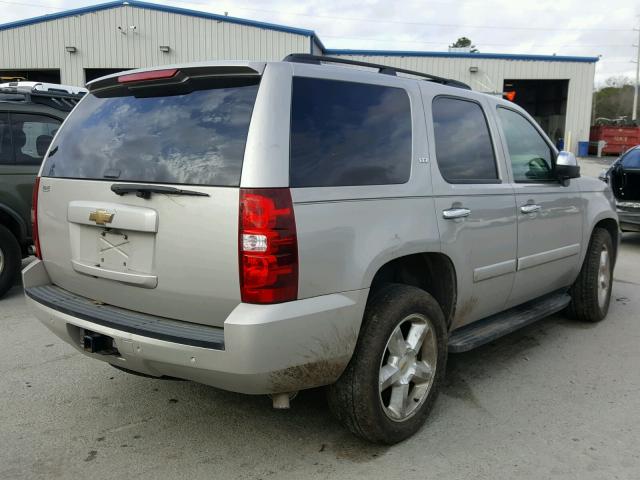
x=182, y=73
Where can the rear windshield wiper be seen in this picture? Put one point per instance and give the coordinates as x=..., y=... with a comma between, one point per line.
x=145, y=191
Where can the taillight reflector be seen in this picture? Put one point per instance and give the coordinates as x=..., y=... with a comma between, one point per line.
x=34, y=218
x=150, y=75
x=268, y=246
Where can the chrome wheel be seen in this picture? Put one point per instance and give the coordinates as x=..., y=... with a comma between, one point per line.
x=1, y=261
x=407, y=367
x=604, y=277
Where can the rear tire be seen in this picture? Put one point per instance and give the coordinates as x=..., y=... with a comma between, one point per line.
x=392, y=381
x=10, y=259
x=591, y=292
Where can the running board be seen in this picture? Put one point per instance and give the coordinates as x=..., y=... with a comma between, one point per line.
x=493, y=327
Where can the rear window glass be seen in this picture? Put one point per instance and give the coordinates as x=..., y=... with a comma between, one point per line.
x=195, y=138
x=345, y=133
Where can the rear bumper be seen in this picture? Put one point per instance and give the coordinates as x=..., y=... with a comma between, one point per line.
x=261, y=349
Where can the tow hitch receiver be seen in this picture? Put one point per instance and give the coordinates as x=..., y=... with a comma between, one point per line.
x=93, y=342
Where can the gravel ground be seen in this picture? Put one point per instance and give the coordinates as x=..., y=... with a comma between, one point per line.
x=557, y=399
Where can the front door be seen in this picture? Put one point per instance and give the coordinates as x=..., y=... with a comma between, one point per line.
x=474, y=206
x=549, y=213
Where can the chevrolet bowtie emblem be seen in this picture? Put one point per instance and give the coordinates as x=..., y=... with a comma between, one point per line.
x=101, y=217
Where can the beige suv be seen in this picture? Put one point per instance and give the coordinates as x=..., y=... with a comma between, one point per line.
x=271, y=227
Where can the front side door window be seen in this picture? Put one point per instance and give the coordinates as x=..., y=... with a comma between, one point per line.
x=531, y=157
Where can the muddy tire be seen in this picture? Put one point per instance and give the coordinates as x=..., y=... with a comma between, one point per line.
x=10, y=259
x=392, y=381
x=591, y=292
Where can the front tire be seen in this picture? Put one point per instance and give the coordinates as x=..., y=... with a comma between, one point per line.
x=10, y=259
x=392, y=381
x=591, y=292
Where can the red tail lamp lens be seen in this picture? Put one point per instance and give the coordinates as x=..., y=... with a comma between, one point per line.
x=151, y=75
x=268, y=246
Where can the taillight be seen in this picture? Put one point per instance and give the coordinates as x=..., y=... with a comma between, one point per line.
x=268, y=246
x=34, y=218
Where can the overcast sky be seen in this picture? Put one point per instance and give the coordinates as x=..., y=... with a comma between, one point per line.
x=563, y=27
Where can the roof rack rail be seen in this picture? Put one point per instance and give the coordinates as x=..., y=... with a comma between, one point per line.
x=384, y=69
x=54, y=98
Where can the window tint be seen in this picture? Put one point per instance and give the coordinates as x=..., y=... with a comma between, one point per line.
x=345, y=133
x=195, y=138
x=32, y=135
x=530, y=154
x=463, y=145
x=631, y=159
x=6, y=151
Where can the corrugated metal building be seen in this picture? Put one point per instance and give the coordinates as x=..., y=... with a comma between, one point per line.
x=78, y=45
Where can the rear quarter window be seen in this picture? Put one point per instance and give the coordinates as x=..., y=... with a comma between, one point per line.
x=349, y=134
x=195, y=138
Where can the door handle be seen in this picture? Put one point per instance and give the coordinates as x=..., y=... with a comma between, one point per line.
x=530, y=208
x=453, y=213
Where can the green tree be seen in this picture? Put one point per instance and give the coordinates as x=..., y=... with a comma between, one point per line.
x=615, y=99
x=464, y=42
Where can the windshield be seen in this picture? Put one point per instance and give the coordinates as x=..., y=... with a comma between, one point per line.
x=195, y=138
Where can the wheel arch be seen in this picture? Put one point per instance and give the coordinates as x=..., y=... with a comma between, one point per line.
x=433, y=272
x=612, y=226
x=16, y=225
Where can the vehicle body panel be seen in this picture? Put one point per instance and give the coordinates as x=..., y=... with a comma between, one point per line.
x=346, y=220
x=268, y=348
x=486, y=274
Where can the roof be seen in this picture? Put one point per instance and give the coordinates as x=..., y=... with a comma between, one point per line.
x=286, y=29
x=495, y=56
x=159, y=8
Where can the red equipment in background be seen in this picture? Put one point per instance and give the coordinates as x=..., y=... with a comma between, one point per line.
x=619, y=139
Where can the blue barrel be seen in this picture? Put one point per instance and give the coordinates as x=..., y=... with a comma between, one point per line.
x=583, y=149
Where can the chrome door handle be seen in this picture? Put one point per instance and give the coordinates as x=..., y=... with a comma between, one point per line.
x=530, y=208
x=453, y=213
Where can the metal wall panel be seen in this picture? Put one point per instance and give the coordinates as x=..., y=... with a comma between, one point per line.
x=100, y=44
x=492, y=73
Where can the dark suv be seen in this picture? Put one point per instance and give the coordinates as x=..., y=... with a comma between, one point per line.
x=30, y=115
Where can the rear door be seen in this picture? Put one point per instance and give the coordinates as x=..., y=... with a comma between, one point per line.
x=475, y=207
x=549, y=213
x=110, y=230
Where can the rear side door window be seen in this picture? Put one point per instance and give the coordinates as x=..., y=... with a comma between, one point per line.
x=464, y=150
x=348, y=134
x=531, y=156
x=32, y=135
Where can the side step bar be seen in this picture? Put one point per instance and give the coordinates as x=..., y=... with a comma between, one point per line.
x=488, y=329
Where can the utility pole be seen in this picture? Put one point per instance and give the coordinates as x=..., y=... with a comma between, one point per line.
x=634, y=114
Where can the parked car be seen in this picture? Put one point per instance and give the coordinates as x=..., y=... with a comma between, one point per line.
x=271, y=227
x=30, y=115
x=624, y=177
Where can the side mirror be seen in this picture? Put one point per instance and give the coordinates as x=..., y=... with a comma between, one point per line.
x=604, y=176
x=567, y=166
